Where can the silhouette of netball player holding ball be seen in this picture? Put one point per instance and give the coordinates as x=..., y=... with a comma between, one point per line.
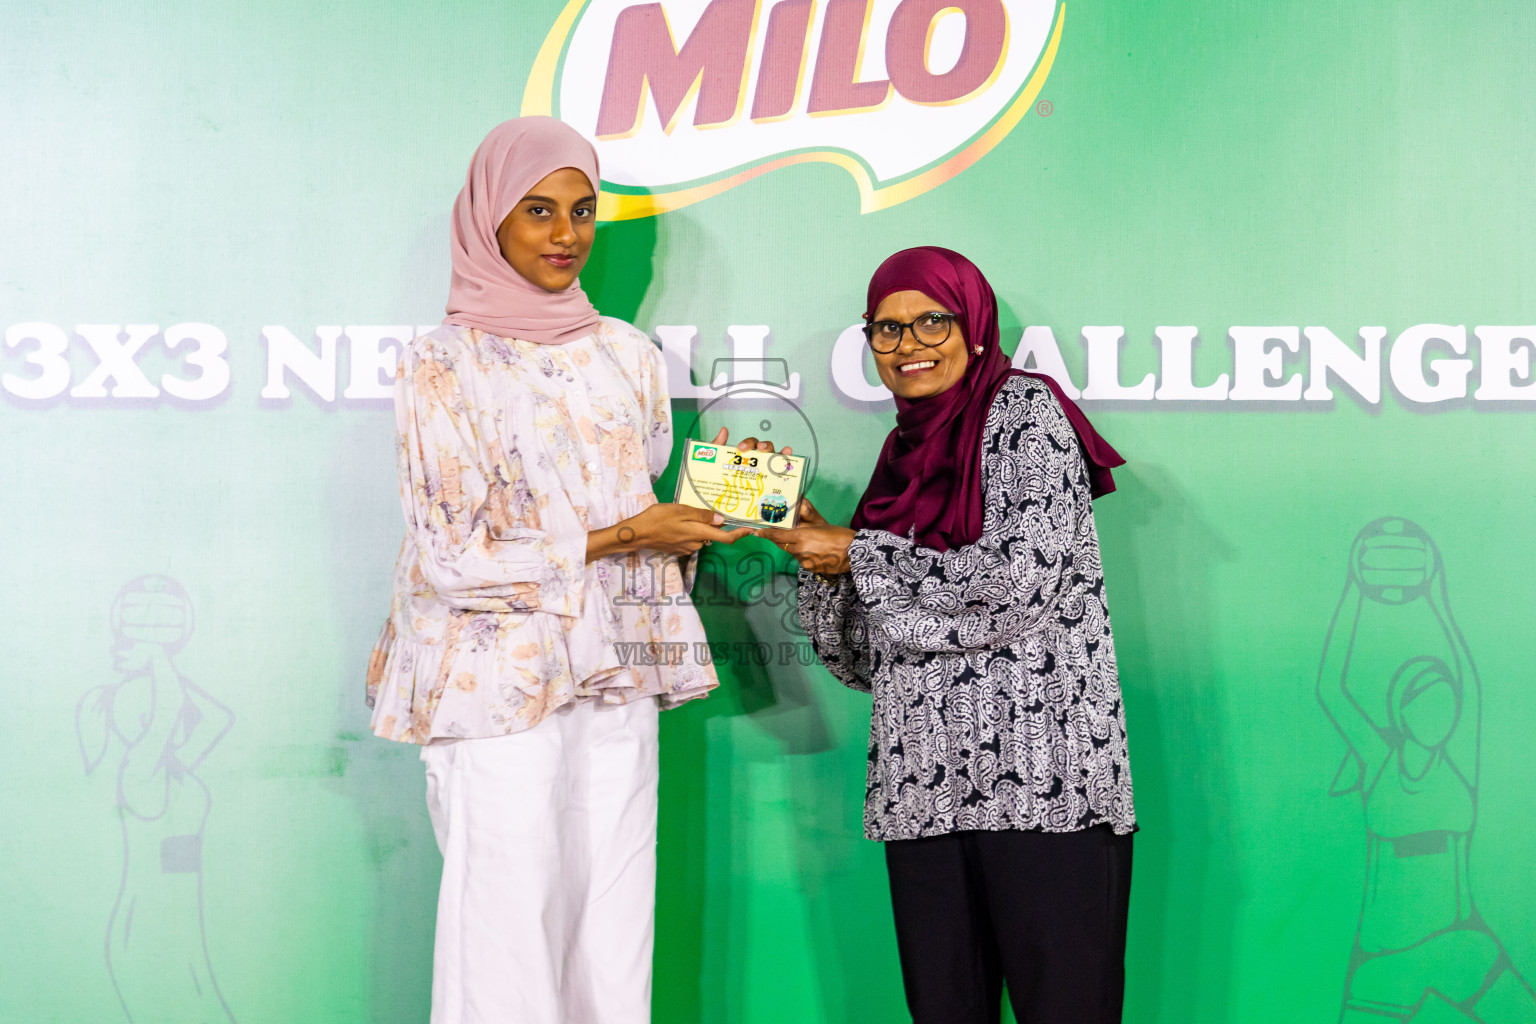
x=1399, y=684
x=157, y=727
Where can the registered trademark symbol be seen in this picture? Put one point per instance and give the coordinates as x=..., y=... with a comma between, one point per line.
x=1044, y=108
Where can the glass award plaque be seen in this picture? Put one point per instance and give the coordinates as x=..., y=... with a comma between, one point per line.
x=747, y=488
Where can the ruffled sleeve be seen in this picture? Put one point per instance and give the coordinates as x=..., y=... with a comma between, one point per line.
x=466, y=503
x=656, y=405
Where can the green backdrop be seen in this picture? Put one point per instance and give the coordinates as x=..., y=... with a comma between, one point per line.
x=1211, y=164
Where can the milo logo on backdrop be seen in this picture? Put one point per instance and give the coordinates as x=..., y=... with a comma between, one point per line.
x=687, y=98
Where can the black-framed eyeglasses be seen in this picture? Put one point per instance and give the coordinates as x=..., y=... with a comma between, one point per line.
x=929, y=329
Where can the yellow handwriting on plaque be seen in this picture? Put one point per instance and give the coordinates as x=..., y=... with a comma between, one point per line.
x=752, y=488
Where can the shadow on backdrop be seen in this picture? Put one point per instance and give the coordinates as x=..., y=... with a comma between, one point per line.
x=382, y=781
x=847, y=890
x=619, y=271
x=1399, y=684
x=1156, y=542
x=761, y=852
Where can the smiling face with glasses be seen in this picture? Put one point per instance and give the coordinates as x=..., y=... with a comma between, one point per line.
x=918, y=344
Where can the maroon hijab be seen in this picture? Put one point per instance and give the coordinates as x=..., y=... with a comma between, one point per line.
x=928, y=480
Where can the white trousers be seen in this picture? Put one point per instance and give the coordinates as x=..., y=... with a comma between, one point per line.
x=548, y=903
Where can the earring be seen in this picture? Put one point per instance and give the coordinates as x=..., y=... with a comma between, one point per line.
x=977, y=350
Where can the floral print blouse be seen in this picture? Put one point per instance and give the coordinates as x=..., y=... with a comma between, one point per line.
x=509, y=453
x=996, y=698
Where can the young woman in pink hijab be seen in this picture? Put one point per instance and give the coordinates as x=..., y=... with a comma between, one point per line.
x=536, y=564
x=968, y=599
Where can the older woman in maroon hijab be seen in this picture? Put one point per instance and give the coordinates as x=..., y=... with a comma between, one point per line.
x=968, y=598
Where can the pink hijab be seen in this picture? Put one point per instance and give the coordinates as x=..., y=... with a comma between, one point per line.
x=485, y=291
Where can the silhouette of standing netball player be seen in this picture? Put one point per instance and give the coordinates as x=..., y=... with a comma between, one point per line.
x=1399, y=684
x=158, y=727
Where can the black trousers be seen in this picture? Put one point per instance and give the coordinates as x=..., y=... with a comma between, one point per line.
x=1044, y=911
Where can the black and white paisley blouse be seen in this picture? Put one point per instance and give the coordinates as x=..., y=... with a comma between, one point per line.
x=996, y=699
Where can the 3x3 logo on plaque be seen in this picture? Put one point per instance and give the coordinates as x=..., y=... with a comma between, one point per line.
x=687, y=98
